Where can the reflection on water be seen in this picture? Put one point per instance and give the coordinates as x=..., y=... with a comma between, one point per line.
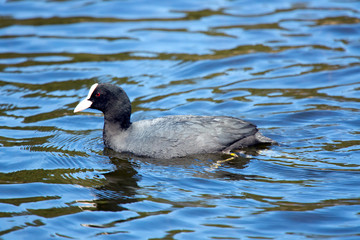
x=290, y=67
x=120, y=186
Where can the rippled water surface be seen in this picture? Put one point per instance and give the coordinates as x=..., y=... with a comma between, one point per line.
x=291, y=67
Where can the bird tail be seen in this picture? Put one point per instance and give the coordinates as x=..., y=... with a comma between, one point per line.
x=262, y=139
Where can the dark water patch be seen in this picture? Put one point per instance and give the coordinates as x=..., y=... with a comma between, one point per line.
x=58, y=176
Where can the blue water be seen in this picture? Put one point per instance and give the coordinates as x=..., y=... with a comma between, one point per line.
x=290, y=67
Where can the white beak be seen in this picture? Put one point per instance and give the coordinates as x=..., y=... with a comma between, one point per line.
x=86, y=103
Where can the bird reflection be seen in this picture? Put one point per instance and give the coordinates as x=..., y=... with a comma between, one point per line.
x=121, y=185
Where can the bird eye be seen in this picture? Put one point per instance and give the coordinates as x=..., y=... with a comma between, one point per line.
x=97, y=94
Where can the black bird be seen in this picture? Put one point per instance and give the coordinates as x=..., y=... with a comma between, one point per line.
x=170, y=136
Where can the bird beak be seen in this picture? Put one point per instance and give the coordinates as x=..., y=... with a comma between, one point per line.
x=86, y=103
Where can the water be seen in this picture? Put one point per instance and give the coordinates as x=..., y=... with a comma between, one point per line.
x=291, y=67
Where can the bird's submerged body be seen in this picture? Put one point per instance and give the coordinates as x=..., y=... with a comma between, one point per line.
x=170, y=136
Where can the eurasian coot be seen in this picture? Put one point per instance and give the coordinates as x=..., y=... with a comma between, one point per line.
x=166, y=137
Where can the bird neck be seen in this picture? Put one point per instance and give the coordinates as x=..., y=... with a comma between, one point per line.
x=118, y=115
x=121, y=122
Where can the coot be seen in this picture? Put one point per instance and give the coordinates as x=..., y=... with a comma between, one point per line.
x=170, y=136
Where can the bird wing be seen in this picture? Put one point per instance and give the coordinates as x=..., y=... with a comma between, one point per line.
x=183, y=135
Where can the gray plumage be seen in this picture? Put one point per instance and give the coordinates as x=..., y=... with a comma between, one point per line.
x=170, y=136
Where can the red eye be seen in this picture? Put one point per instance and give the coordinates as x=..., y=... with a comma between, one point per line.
x=97, y=94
